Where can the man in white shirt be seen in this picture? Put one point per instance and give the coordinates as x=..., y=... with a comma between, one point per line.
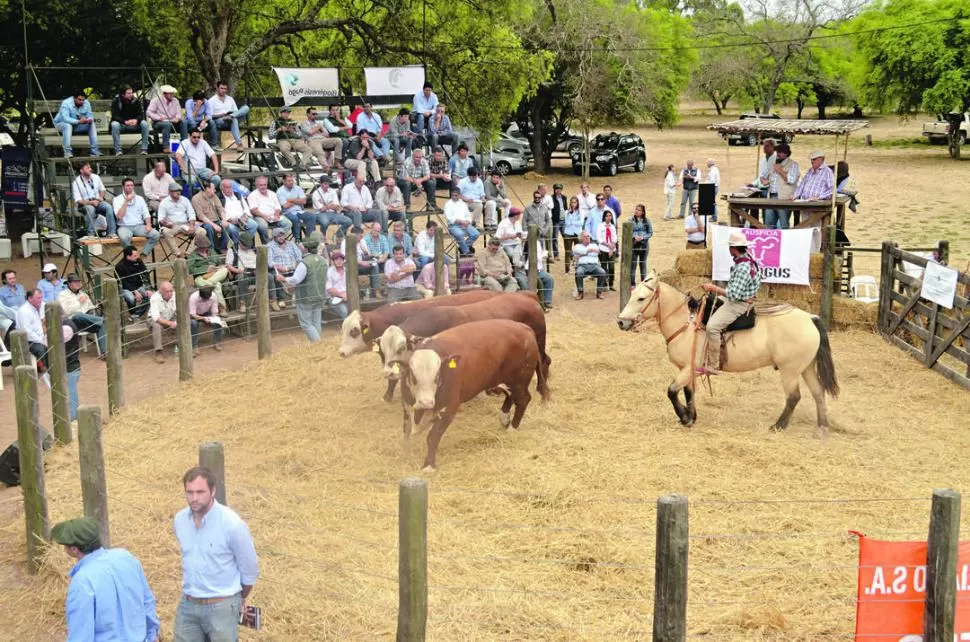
x=237, y=212
x=767, y=161
x=358, y=204
x=264, y=205
x=155, y=185
x=317, y=135
x=424, y=249
x=588, y=264
x=197, y=151
x=161, y=316
x=714, y=178
x=390, y=201
x=424, y=104
x=225, y=115
x=30, y=319
x=695, y=229
x=511, y=235
x=587, y=200
x=460, y=224
x=326, y=202
x=176, y=217
x=78, y=307
x=134, y=219
x=369, y=120
x=89, y=196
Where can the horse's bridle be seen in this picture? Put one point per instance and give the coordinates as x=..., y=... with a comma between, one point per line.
x=642, y=318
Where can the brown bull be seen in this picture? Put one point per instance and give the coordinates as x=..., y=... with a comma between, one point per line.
x=450, y=368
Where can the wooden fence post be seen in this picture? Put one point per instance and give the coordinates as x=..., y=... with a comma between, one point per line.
x=57, y=368
x=440, y=276
x=183, y=322
x=828, y=278
x=213, y=456
x=18, y=348
x=30, y=442
x=941, y=567
x=264, y=340
x=353, y=277
x=626, y=262
x=885, y=286
x=114, y=358
x=94, y=489
x=412, y=569
x=532, y=242
x=670, y=580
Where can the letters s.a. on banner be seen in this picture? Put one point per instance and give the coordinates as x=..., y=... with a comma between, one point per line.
x=892, y=591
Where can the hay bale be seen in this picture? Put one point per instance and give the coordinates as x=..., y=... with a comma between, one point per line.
x=683, y=282
x=852, y=314
x=694, y=263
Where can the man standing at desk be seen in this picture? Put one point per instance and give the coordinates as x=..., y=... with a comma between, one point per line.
x=818, y=182
x=784, y=179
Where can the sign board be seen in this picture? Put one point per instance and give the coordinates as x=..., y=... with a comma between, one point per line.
x=892, y=591
x=394, y=81
x=783, y=256
x=15, y=175
x=939, y=284
x=311, y=82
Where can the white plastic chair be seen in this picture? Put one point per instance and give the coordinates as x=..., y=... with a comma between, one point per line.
x=864, y=288
x=4, y=356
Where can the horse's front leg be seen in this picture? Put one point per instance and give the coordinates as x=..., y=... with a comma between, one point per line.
x=686, y=414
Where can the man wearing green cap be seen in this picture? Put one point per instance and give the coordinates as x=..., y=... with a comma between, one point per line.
x=108, y=598
x=310, y=279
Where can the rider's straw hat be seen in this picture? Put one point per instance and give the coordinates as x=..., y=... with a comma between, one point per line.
x=737, y=239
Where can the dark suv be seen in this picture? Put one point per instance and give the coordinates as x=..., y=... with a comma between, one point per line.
x=609, y=153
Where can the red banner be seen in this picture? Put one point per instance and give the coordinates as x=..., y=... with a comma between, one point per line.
x=892, y=591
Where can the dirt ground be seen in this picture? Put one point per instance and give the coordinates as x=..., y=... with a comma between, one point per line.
x=911, y=193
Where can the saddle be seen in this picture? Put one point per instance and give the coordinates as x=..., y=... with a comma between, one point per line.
x=744, y=322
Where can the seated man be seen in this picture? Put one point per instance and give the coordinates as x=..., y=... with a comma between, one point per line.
x=545, y=281
x=79, y=308
x=166, y=114
x=89, y=196
x=212, y=216
x=50, y=284
x=362, y=158
x=198, y=114
x=283, y=258
x=337, y=284
x=460, y=222
x=818, y=181
x=176, y=217
x=136, y=287
x=155, y=185
x=128, y=116
x=241, y=263
x=424, y=249
x=238, y=216
x=161, y=316
x=399, y=236
x=400, y=276
x=370, y=121
x=12, y=296
x=441, y=130
x=440, y=175
x=390, y=201
x=426, y=279
x=498, y=199
x=511, y=235
x=75, y=117
x=326, y=203
x=460, y=163
x=264, y=205
x=495, y=268
x=587, y=258
x=321, y=140
x=286, y=132
x=400, y=135
x=225, y=115
x=473, y=193
x=415, y=176
x=133, y=216
x=424, y=104
x=358, y=204
x=204, y=311
x=336, y=126
x=30, y=319
x=207, y=268
x=192, y=156
x=378, y=249
x=292, y=200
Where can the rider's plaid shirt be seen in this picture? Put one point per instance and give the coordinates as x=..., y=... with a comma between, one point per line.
x=744, y=281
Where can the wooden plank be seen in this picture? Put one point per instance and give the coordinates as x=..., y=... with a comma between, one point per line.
x=885, y=286
x=913, y=300
x=937, y=366
x=941, y=567
x=918, y=331
x=931, y=334
x=951, y=337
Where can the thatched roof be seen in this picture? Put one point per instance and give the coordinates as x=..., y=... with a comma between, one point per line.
x=776, y=125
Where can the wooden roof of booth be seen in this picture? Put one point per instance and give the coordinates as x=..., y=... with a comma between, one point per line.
x=776, y=125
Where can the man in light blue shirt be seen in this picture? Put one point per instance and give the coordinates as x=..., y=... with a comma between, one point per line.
x=51, y=285
x=292, y=200
x=424, y=104
x=108, y=598
x=473, y=193
x=371, y=121
x=219, y=563
x=133, y=217
x=75, y=117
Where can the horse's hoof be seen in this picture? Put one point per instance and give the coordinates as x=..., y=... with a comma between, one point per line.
x=505, y=419
x=686, y=421
x=427, y=470
x=777, y=428
x=822, y=432
x=388, y=397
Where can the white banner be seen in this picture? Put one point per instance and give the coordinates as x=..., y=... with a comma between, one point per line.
x=783, y=256
x=939, y=284
x=316, y=82
x=394, y=81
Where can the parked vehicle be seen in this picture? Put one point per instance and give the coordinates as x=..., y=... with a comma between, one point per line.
x=751, y=140
x=569, y=143
x=507, y=157
x=938, y=133
x=609, y=153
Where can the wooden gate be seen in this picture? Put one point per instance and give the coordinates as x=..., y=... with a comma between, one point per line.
x=937, y=336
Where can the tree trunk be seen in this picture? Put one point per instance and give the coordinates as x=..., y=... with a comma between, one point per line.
x=542, y=160
x=821, y=109
x=857, y=111
x=800, y=104
x=717, y=106
x=724, y=103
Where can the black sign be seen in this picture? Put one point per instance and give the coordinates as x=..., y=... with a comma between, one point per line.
x=15, y=175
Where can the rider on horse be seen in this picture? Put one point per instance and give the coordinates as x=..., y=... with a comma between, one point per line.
x=739, y=295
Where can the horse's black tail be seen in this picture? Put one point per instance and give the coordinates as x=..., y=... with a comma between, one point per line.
x=824, y=368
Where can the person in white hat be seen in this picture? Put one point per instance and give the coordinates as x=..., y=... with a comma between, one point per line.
x=51, y=284
x=739, y=295
x=166, y=114
x=818, y=182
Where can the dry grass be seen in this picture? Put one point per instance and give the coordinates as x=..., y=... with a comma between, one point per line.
x=555, y=521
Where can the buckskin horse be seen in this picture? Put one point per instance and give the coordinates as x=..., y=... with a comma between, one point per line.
x=793, y=341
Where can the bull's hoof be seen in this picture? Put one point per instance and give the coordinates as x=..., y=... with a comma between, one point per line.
x=822, y=432
x=427, y=470
x=685, y=420
x=505, y=419
x=388, y=397
x=778, y=427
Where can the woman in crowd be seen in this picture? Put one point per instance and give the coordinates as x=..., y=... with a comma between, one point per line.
x=572, y=225
x=606, y=239
x=845, y=184
x=642, y=231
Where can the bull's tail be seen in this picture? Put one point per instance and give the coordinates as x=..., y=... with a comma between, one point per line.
x=824, y=368
x=542, y=375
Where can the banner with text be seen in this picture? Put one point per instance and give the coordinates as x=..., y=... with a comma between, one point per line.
x=310, y=82
x=783, y=256
x=394, y=81
x=15, y=177
x=892, y=591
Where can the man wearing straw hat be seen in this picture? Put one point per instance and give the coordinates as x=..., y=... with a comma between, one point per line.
x=108, y=598
x=739, y=295
x=165, y=112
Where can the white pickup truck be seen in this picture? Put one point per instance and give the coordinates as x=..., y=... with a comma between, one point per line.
x=938, y=132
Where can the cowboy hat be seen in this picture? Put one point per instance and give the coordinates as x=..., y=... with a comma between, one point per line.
x=737, y=239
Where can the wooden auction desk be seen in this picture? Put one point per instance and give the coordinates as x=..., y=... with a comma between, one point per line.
x=808, y=214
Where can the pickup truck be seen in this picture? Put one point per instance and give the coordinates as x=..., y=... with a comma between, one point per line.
x=938, y=132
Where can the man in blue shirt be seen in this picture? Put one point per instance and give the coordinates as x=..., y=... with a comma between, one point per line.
x=75, y=117
x=371, y=121
x=108, y=598
x=424, y=104
x=50, y=285
x=292, y=200
x=473, y=193
x=12, y=296
x=219, y=563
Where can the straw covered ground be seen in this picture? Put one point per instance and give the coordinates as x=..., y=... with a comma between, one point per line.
x=542, y=534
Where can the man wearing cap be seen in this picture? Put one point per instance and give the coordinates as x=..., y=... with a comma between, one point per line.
x=207, y=268
x=166, y=114
x=784, y=180
x=128, y=115
x=225, y=115
x=497, y=198
x=742, y=286
x=241, y=263
x=89, y=197
x=161, y=316
x=326, y=202
x=283, y=258
x=310, y=280
x=238, y=216
x=459, y=221
x=511, y=234
x=494, y=267
x=78, y=307
x=192, y=155
x=204, y=311
x=286, y=132
x=133, y=217
x=75, y=117
x=292, y=200
x=108, y=599
x=320, y=140
x=818, y=182
x=176, y=217
x=337, y=284
x=155, y=185
x=51, y=285
x=416, y=176
x=219, y=563
x=136, y=287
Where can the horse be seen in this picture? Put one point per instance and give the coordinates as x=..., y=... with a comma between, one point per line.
x=793, y=341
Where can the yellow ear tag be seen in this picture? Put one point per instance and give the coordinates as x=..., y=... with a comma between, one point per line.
x=365, y=331
x=375, y=348
x=396, y=368
x=452, y=364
